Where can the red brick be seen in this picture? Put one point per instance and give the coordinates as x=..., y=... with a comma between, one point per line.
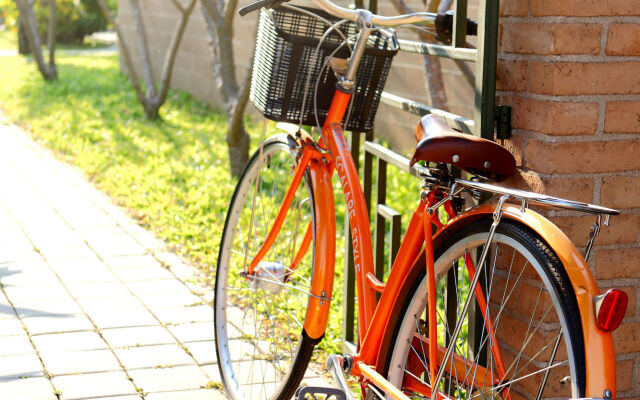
x=511, y=75
x=626, y=339
x=532, y=38
x=573, y=78
x=585, y=7
x=555, y=117
x=624, y=375
x=582, y=157
x=517, y=8
x=623, y=40
x=515, y=146
x=622, y=117
x=618, y=263
x=621, y=191
x=578, y=189
x=623, y=229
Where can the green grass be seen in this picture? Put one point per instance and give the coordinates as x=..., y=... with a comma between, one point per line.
x=8, y=40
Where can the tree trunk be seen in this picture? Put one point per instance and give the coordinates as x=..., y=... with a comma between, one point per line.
x=23, y=42
x=219, y=27
x=152, y=100
x=28, y=18
x=51, y=36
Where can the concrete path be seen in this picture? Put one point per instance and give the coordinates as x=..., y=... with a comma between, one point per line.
x=91, y=305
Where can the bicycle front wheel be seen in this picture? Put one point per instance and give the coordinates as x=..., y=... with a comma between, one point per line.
x=262, y=352
x=521, y=339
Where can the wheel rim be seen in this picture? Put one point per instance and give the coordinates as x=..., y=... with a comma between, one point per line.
x=259, y=321
x=525, y=343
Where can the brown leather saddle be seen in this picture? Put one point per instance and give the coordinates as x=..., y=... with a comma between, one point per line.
x=436, y=142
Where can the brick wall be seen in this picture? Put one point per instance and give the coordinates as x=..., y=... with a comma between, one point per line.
x=571, y=71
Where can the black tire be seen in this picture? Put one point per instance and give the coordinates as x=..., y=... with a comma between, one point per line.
x=540, y=279
x=261, y=347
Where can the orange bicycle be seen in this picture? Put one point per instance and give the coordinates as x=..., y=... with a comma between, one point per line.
x=541, y=327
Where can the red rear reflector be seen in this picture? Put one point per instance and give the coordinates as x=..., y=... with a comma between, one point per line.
x=610, y=309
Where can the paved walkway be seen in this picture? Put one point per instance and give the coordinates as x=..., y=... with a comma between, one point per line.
x=91, y=305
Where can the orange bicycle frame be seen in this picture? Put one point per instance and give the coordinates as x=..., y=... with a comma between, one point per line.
x=374, y=337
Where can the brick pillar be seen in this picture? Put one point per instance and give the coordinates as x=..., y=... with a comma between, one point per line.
x=571, y=71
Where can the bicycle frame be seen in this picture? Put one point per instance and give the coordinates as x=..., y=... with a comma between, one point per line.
x=372, y=337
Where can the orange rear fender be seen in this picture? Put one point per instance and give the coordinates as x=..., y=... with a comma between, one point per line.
x=599, y=352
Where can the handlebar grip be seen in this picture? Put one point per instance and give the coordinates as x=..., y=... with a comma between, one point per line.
x=444, y=27
x=256, y=6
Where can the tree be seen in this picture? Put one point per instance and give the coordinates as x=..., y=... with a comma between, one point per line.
x=28, y=19
x=23, y=42
x=219, y=20
x=152, y=99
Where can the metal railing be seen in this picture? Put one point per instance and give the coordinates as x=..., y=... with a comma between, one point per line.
x=485, y=58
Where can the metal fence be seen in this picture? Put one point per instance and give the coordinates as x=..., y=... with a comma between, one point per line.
x=485, y=111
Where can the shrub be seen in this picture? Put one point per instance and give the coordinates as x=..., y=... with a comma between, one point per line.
x=75, y=19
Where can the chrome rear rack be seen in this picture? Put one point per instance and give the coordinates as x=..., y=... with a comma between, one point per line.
x=530, y=198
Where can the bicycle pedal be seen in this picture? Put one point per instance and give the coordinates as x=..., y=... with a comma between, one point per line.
x=319, y=393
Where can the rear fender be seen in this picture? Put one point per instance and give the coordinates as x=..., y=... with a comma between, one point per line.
x=599, y=351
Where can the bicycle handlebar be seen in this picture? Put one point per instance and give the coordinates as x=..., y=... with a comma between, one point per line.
x=425, y=18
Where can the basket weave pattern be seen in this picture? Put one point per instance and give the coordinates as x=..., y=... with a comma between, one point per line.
x=286, y=49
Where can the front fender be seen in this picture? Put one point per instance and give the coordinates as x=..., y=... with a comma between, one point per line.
x=325, y=249
x=599, y=352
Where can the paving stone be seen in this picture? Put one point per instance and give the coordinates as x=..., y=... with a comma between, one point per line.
x=139, y=336
x=31, y=388
x=143, y=274
x=15, y=241
x=193, y=332
x=57, y=324
x=201, y=394
x=53, y=291
x=153, y=356
x=97, y=305
x=41, y=278
x=73, y=341
x=23, y=261
x=15, y=345
x=39, y=308
x=67, y=253
x=181, y=315
x=83, y=271
x=93, y=385
x=16, y=367
x=105, y=289
x=10, y=327
x=212, y=371
x=64, y=363
x=164, y=379
x=124, y=262
x=169, y=300
x=203, y=352
x=158, y=287
x=122, y=319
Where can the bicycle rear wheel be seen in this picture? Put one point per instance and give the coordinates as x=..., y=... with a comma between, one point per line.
x=262, y=351
x=529, y=324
